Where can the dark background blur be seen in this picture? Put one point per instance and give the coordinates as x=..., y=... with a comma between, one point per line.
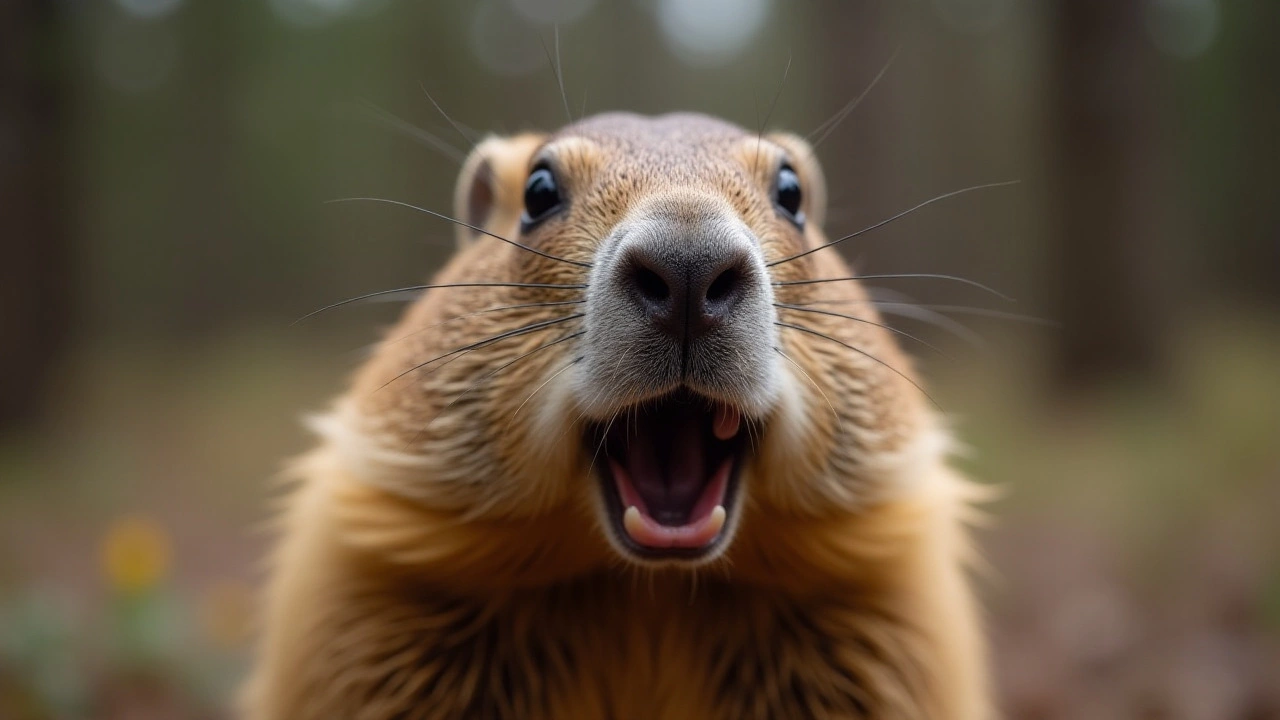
x=164, y=167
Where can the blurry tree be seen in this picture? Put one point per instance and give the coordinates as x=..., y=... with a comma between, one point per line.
x=1256, y=224
x=36, y=280
x=1109, y=193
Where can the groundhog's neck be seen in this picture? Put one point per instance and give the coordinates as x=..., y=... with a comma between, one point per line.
x=876, y=592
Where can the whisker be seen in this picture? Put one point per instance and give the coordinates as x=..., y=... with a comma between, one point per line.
x=374, y=346
x=560, y=73
x=484, y=312
x=889, y=305
x=456, y=221
x=808, y=377
x=891, y=276
x=937, y=319
x=465, y=349
x=420, y=288
x=880, y=293
x=413, y=132
x=892, y=218
x=476, y=384
x=555, y=67
x=933, y=314
x=468, y=135
x=903, y=333
x=829, y=126
x=582, y=415
x=544, y=383
x=604, y=437
x=996, y=314
x=865, y=354
x=773, y=104
x=403, y=295
x=622, y=357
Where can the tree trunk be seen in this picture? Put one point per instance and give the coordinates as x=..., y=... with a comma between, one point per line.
x=1256, y=263
x=36, y=284
x=1111, y=243
x=859, y=153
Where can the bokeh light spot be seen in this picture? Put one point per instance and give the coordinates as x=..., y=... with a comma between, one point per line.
x=1182, y=28
x=710, y=32
x=149, y=9
x=313, y=13
x=135, y=554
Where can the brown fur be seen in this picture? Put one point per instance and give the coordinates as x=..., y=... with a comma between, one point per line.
x=442, y=554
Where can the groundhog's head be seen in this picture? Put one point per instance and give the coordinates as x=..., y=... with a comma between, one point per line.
x=627, y=342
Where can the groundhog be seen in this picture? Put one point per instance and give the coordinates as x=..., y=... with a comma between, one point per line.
x=643, y=449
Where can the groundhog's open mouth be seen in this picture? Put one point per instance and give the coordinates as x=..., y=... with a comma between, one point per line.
x=669, y=473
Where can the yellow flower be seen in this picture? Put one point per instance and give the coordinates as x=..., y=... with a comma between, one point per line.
x=226, y=611
x=135, y=555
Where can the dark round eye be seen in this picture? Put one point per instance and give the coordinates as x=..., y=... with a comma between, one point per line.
x=541, y=195
x=787, y=195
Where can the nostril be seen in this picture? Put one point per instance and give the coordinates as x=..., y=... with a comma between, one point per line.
x=651, y=285
x=724, y=285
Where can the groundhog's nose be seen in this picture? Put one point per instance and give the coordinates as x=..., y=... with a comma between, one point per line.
x=687, y=293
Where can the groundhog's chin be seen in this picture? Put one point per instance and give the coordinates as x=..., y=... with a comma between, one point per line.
x=668, y=472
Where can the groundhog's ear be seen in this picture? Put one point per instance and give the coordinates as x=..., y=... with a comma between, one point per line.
x=813, y=186
x=490, y=192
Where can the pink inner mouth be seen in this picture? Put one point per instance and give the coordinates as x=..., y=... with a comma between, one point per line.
x=671, y=463
x=702, y=526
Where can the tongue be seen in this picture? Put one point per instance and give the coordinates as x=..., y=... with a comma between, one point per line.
x=704, y=524
x=666, y=463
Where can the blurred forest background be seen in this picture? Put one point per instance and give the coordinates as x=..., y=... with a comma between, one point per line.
x=164, y=167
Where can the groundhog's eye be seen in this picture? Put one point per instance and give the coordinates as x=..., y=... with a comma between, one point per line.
x=541, y=195
x=787, y=195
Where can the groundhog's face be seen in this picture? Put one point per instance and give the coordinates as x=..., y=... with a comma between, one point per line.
x=650, y=356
